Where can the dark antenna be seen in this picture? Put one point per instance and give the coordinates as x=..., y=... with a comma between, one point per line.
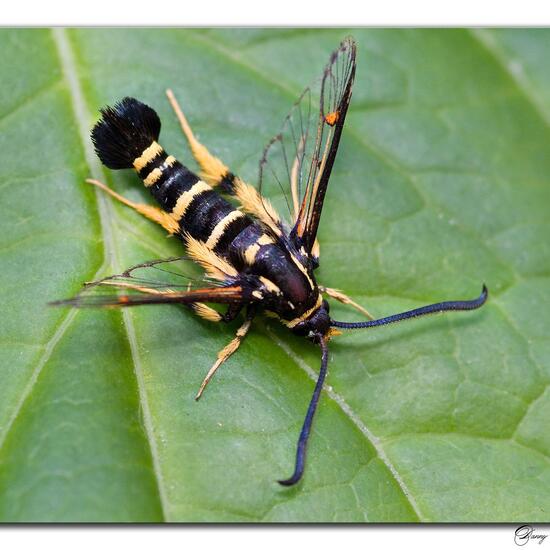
x=304, y=434
x=460, y=305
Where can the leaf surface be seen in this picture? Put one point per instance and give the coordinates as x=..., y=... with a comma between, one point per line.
x=441, y=183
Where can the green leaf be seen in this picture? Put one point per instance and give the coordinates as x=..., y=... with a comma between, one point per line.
x=442, y=183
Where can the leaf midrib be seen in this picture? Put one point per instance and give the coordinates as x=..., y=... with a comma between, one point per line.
x=82, y=116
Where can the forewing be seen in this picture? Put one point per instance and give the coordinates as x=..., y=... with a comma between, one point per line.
x=296, y=165
x=282, y=171
x=336, y=88
x=217, y=295
x=157, y=282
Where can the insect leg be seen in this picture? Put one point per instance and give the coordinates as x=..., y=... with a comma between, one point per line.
x=210, y=314
x=227, y=351
x=294, y=181
x=345, y=299
x=151, y=212
x=316, y=251
x=206, y=312
x=213, y=170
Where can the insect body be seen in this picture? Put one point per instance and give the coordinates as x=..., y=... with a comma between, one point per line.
x=253, y=259
x=230, y=244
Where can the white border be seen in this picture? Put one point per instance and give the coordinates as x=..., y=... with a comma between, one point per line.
x=344, y=13
x=253, y=538
x=277, y=13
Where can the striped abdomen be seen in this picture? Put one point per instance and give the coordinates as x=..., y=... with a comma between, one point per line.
x=127, y=136
x=199, y=210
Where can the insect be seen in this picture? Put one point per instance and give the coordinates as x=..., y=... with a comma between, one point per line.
x=254, y=260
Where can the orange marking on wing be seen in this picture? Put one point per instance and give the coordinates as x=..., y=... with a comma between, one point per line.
x=332, y=118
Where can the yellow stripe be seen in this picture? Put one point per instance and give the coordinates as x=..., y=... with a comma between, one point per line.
x=252, y=250
x=294, y=322
x=147, y=156
x=186, y=197
x=153, y=177
x=155, y=174
x=270, y=285
x=250, y=253
x=221, y=226
x=265, y=239
x=302, y=269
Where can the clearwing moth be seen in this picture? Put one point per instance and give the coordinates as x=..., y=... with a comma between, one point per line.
x=254, y=260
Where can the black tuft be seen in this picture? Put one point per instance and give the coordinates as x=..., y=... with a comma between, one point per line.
x=124, y=132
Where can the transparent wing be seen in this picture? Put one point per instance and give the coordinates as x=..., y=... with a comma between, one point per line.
x=156, y=282
x=221, y=295
x=161, y=275
x=298, y=161
x=282, y=164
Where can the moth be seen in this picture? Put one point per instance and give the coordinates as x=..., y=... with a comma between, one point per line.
x=254, y=259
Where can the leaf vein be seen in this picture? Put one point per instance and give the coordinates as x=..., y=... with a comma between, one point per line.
x=105, y=212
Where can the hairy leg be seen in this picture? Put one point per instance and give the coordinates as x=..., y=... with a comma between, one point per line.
x=151, y=212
